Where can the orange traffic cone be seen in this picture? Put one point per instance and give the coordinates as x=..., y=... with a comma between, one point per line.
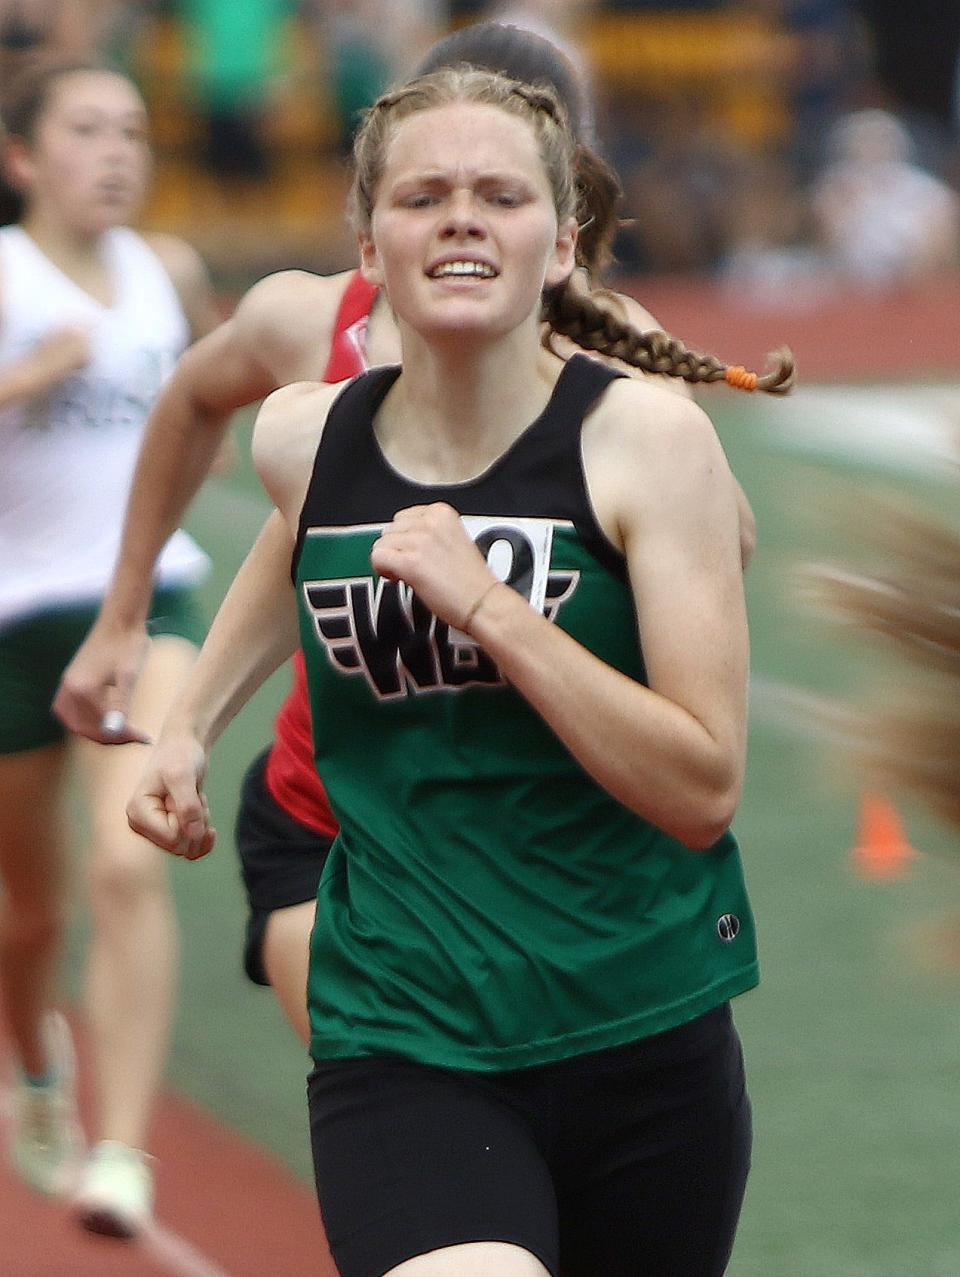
x=882, y=850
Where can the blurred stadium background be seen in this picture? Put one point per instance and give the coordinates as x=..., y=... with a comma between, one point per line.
x=733, y=125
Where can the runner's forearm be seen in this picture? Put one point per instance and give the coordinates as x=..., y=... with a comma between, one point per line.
x=253, y=633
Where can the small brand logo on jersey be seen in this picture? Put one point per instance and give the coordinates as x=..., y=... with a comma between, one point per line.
x=728, y=927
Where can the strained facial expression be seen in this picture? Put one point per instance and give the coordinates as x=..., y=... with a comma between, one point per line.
x=464, y=233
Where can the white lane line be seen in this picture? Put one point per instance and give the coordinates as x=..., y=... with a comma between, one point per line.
x=177, y=1254
x=904, y=429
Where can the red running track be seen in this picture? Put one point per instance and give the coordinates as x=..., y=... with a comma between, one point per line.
x=225, y=1208
x=836, y=334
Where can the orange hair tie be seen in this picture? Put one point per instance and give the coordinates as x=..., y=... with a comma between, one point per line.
x=738, y=377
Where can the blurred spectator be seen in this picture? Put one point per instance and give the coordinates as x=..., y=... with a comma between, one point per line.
x=873, y=218
x=880, y=218
x=237, y=59
x=769, y=252
x=679, y=168
x=369, y=45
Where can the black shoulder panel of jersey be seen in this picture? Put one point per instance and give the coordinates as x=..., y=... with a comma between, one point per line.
x=539, y=476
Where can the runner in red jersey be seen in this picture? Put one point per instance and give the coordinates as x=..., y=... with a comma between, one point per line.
x=290, y=774
x=284, y=824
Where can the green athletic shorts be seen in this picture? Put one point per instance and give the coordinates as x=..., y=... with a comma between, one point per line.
x=35, y=651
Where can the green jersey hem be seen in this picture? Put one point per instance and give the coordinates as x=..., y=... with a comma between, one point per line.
x=548, y=1050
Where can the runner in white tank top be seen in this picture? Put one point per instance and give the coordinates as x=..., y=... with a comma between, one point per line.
x=68, y=455
x=92, y=318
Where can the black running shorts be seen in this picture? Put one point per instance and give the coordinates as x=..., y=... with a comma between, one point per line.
x=280, y=860
x=630, y=1162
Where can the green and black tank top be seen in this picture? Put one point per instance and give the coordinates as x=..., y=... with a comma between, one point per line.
x=487, y=905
